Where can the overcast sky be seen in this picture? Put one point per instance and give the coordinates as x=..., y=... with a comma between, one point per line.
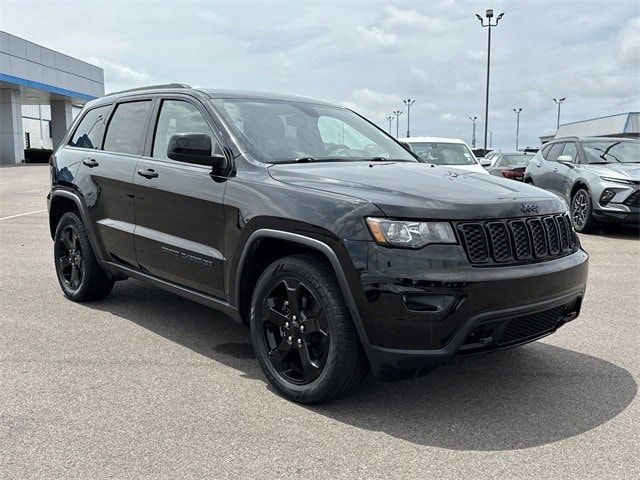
x=367, y=55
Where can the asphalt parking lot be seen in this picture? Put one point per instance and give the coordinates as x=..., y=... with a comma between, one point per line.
x=145, y=384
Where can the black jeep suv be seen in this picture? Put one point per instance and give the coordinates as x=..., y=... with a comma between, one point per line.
x=340, y=250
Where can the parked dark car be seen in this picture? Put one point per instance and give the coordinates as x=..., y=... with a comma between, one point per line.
x=303, y=220
x=598, y=177
x=509, y=165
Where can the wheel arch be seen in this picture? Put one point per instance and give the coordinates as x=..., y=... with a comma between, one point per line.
x=577, y=185
x=267, y=245
x=63, y=201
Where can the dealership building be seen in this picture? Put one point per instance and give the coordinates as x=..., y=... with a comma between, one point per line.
x=625, y=125
x=39, y=91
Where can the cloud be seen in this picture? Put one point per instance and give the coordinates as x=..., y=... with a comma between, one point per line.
x=629, y=42
x=404, y=22
x=211, y=18
x=120, y=73
x=377, y=39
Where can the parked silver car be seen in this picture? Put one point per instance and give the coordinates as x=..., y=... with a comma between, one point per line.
x=598, y=177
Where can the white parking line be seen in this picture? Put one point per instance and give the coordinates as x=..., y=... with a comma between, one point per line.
x=22, y=214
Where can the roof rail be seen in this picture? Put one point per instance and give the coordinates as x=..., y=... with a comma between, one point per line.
x=151, y=87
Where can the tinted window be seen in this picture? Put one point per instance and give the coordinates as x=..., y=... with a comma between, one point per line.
x=554, y=152
x=177, y=116
x=570, y=149
x=127, y=128
x=513, y=161
x=88, y=133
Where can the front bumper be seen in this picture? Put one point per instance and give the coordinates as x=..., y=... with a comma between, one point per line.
x=446, y=308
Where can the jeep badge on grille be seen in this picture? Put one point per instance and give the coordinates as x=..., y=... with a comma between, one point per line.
x=529, y=208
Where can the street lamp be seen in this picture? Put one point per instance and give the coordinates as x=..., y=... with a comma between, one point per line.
x=473, y=139
x=408, y=102
x=559, y=101
x=390, y=119
x=517, y=111
x=489, y=25
x=397, y=113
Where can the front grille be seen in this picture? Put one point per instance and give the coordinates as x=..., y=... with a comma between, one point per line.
x=529, y=326
x=508, y=242
x=634, y=200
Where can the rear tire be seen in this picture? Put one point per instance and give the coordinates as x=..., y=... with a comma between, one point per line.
x=79, y=274
x=582, y=212
x=302, y=333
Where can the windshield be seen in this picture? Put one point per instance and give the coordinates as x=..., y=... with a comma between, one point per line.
x=278, y=131
x=441, y=153
x=612, y=151
x=515, y=160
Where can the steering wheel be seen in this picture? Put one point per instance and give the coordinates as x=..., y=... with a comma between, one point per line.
x=340, y=147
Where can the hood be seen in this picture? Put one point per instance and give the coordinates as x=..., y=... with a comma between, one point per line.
x=627, y=171
x=476, y=167
x=420, y=190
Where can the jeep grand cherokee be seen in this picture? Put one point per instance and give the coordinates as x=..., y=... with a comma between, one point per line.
x=338, y=247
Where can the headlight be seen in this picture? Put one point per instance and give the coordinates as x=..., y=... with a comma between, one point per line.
x=618, y=180
x=409, y=234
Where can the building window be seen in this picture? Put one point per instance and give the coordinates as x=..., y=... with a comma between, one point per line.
x=27, y=140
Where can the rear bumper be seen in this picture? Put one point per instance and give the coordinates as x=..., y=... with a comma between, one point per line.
x=448, y=309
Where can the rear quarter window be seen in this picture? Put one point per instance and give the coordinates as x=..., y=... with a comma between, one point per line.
x=90, y=128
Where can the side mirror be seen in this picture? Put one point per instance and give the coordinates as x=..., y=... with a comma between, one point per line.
x=194, y=148
x=566, y=160
x=485, y=162
x=406, y=145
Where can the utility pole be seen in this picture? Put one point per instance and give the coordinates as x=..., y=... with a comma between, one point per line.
x=397, y=113
x=408, y=102
x=517, y=111
x=390, y=119
x=473, y=139
x=559, y=101
x=489, y=26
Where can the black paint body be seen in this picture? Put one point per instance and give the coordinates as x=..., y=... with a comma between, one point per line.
x=195, y=232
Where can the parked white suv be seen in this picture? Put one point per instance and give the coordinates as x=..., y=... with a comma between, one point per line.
x=451, y=152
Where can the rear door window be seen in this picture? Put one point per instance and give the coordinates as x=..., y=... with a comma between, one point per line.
x=127, y=128
x=90, y=128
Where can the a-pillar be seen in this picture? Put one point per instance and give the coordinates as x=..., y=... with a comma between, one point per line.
x=61, y=118
x=11, y=136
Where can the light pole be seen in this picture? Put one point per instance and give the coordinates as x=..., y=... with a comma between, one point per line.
x=473, y=139
x=489, y=25
x=408, y=102
x=517, y=110
x=390, y=119
x=559, y=101
x=397, y=113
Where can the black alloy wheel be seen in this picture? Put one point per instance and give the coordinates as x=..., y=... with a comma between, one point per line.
x=69, y=257
x=295, y=331
x=302, y=332
x=79, y=274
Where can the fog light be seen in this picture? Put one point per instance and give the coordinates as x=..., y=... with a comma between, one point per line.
x=606, y=196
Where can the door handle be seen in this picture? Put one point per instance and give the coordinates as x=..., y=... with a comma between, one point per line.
x=538, y=164
x=150, y=173
x=90, y=162
x=555, y=170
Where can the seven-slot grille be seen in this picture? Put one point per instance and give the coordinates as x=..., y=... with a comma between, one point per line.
x=507, y=242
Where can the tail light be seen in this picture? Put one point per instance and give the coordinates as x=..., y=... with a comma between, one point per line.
x=511, y=174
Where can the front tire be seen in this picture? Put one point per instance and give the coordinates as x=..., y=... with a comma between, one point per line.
x=302, y=333
x=582, y=212
x=79, y=274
